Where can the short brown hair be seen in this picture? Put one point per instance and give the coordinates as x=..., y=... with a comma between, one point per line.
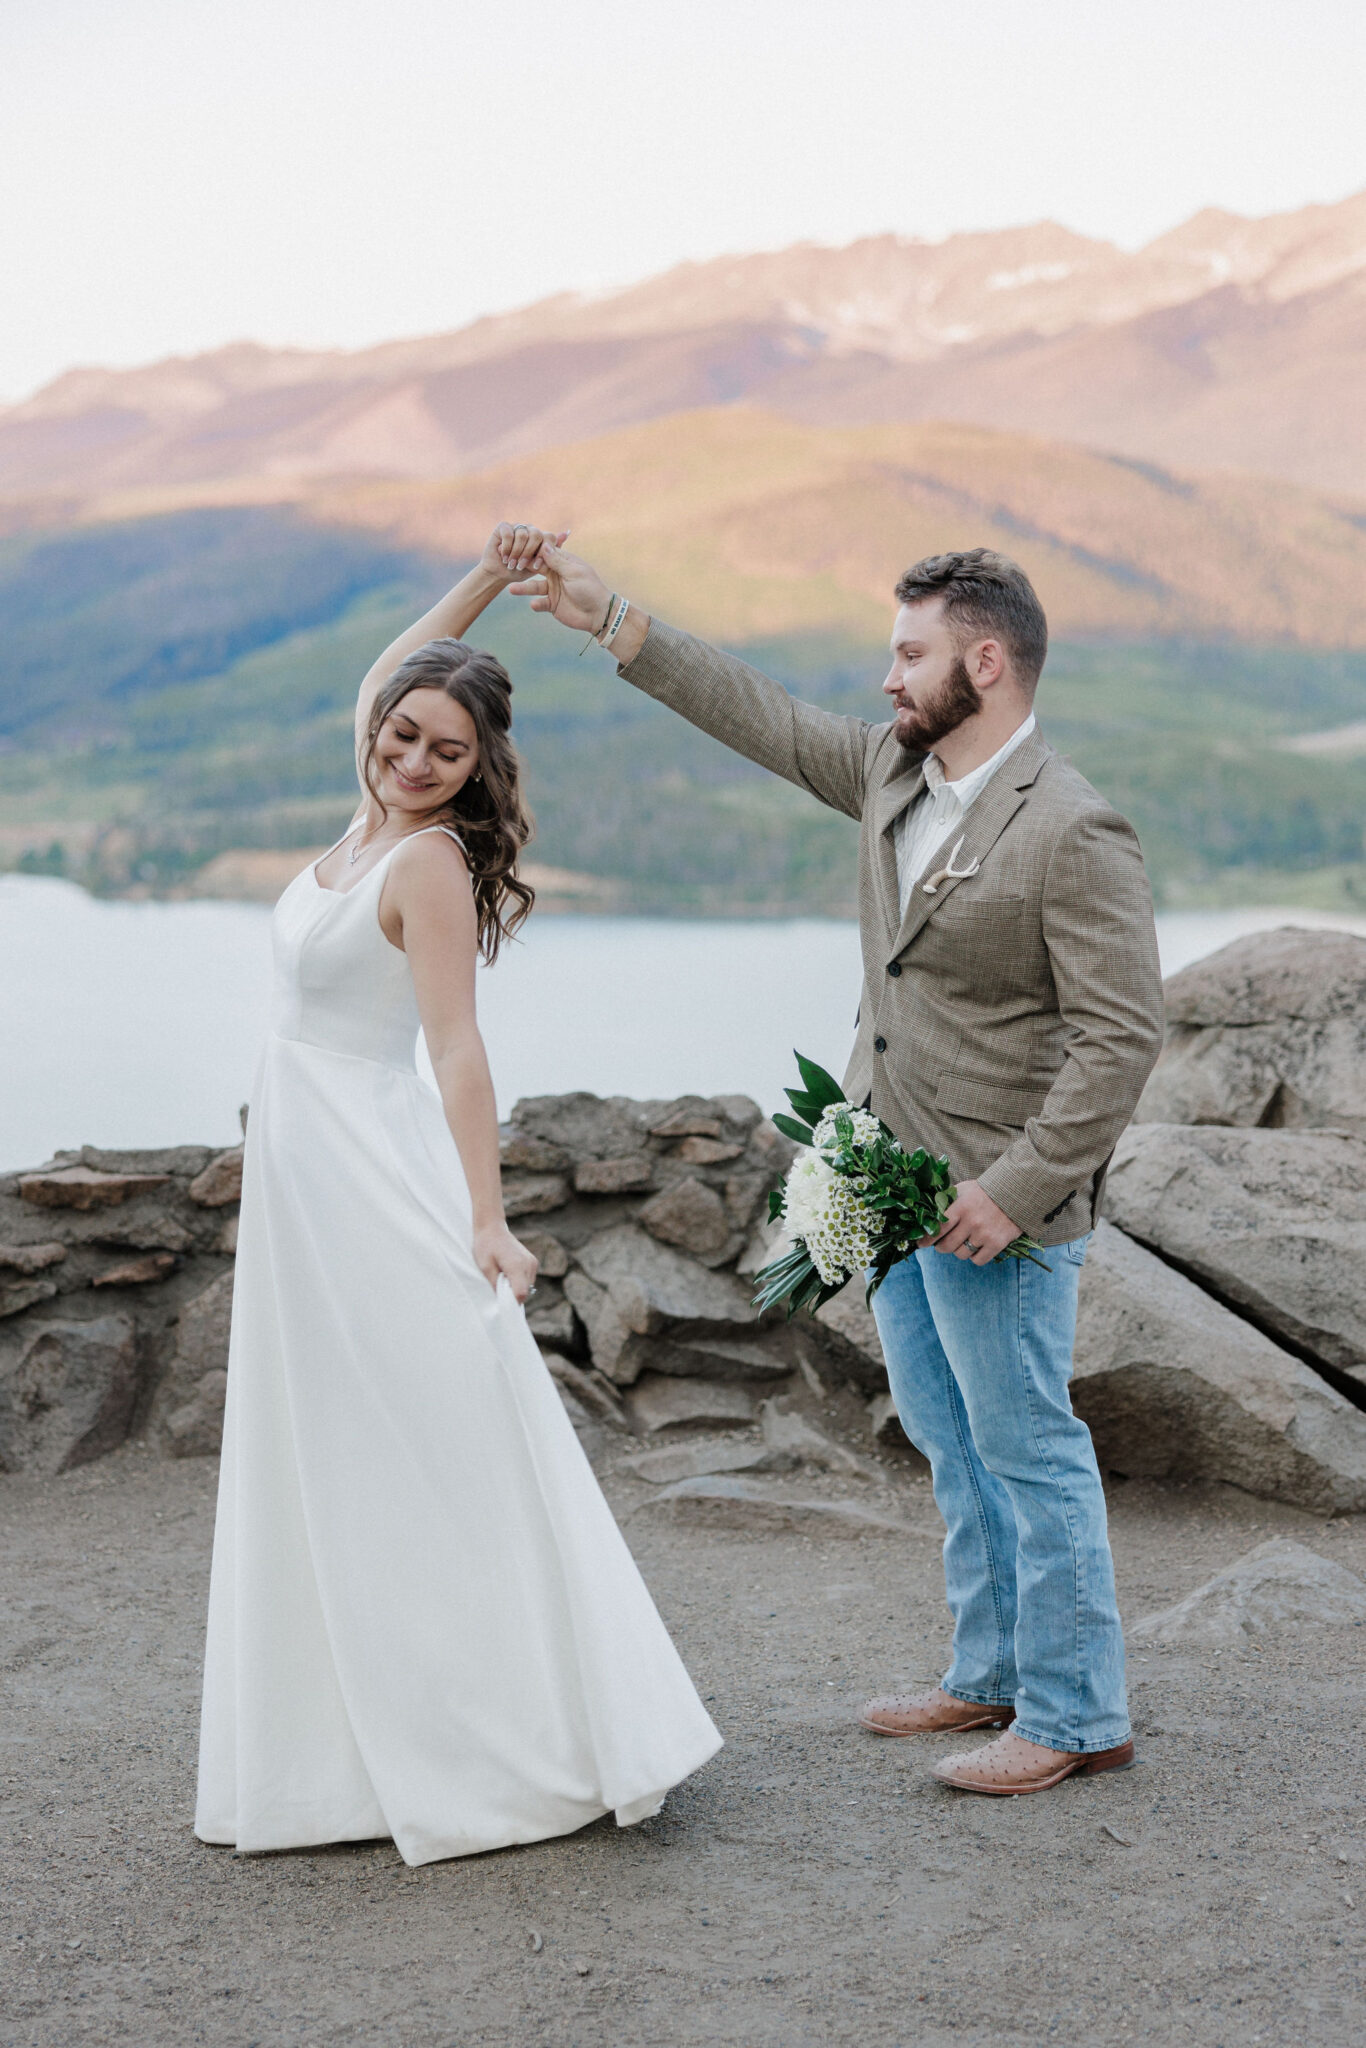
x=985, y=593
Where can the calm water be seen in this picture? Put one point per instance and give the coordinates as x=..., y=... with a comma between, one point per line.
x=137, y=1023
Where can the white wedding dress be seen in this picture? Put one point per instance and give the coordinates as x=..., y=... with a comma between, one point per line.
x=424, y=1622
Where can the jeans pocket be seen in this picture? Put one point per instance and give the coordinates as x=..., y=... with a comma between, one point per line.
x=1075, y=1249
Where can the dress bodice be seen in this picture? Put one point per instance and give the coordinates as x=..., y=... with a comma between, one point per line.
x=339, y=983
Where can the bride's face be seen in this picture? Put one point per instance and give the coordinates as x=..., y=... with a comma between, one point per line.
x=427, y=749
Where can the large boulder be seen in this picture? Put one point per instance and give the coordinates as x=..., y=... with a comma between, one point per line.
x=189, y=1401
x=1273, y=1221
x=1175, y=1386
x=67, y=1392
x=630, y=1289
x=1269, y=1031
x=1280, y=1581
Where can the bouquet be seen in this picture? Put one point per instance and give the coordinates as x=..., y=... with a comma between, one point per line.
x=855, y=1200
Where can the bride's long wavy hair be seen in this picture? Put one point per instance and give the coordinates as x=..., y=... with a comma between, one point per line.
x=489, y=813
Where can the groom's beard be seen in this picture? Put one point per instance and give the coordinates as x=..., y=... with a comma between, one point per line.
x=956, y=699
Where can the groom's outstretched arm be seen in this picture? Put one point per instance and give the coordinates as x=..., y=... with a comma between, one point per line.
x=822, y=753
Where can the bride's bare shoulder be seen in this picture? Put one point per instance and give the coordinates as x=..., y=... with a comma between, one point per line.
x=432, y=861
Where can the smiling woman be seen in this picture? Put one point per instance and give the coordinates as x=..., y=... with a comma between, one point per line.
x=436, y=747
x=423, y=1621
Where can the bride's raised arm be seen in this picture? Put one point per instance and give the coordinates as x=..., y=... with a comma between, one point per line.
x=511, y=550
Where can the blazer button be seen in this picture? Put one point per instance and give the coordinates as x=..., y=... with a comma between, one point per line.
x=894, y=969
x=879, y=1045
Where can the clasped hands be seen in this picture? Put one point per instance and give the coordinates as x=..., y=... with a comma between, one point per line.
x=561, y=584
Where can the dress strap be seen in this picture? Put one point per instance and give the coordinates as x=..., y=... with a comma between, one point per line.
x=449, y=831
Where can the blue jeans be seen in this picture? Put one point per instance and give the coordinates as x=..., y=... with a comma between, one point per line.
x=979, y=1359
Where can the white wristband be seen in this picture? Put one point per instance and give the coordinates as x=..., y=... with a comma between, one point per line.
x=610, y=635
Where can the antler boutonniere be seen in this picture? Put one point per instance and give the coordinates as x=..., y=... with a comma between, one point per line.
x=951, y=873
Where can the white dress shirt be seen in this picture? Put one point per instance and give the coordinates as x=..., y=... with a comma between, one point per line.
x=934, y=820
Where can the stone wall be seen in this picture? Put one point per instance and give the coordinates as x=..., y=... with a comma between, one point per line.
x=116, y=1280
x=1222, y=1330
x=115, y=1294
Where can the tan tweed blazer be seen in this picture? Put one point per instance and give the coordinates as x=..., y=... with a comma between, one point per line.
x=1009, y=1020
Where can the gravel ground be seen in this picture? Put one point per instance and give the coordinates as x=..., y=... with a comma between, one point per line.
x=812, y=1885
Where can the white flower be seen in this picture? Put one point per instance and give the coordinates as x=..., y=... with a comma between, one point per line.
x=823, y=1208
x=865, y=1126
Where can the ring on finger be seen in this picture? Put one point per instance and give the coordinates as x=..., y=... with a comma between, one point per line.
x=969, y=1246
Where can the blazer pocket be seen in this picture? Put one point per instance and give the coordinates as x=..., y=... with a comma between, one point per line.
x=984, y=1103
x=963, y=905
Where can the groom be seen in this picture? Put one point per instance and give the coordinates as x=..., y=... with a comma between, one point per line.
x=1011, y=1012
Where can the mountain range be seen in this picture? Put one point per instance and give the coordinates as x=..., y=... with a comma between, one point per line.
x=200, y=557
x=1227, y=344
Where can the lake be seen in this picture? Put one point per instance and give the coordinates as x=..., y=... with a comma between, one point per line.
x=127, y=1024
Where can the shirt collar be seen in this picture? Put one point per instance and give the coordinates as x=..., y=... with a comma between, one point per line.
x=970, y=786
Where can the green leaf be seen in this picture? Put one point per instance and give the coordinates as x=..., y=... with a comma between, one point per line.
x=790, y=1128
x=823, y=1086
x=775, y=1204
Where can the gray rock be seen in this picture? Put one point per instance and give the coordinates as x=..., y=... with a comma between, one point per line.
x=201, y=1350
x=849, y=1335
x=726, y=1503
x=520, y=1152
x=550, y=1318
x=142, y=1271
x=767, y=1356
x=693, y=1118
x=691, y=1216
x=747, y=1198
x=884, y=1422
x=632, y=1173
x=534, y=1194
x=548, y=1252
x=791, y=1439
x=181, y=1161
x=31, y=1258
x=587, y=1126
x=67, y=1393
x=609, y=1333
x=1269, y=1031
x=195, y=1429
x=18, y=1295
x=595, y=1395
x=220, y=1182
x=1174, y=1386
x=146, y=1230
x=1280, y=1581
x=83, y=1187
x=696, y=1458
x=656, y=1402
x=700, y=1151
x=1275, y=1221
x=657, y=1288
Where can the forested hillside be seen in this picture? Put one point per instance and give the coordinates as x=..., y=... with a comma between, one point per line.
x=175, y=687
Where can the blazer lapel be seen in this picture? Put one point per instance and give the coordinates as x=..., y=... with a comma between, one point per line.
x=900, y=790
x=985, y=822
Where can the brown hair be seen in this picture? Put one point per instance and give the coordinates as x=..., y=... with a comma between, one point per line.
x=490, y=813
x=983, y=593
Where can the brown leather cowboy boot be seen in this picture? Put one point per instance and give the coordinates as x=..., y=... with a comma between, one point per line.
x=931, y=1713
x=1012, y=1764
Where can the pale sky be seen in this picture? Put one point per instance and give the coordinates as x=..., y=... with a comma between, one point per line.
x=181, y=173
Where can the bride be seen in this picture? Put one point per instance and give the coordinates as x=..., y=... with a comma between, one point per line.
x=423, y=1620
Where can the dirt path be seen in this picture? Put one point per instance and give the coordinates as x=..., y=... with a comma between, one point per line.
x=811, y=1886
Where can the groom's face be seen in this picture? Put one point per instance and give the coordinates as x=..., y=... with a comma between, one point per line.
x=928, y=683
